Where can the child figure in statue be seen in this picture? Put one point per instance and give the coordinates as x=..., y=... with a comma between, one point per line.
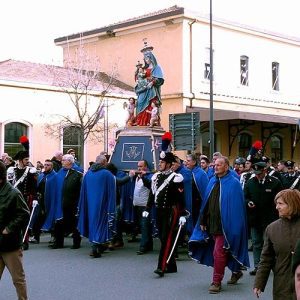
x=130, y=110
x=154, y=120
x=141, y=81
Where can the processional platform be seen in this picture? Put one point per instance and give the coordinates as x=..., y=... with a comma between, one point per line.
x=137, y=143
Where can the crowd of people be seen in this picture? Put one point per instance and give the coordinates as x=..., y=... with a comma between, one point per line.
x=211, y=207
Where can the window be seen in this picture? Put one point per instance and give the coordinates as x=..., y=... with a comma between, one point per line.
x=73, y=138
x=12, y=134
x=207, y=72
x=276, y=149
x=244, y=70
x=275, y=76
x=245, y=142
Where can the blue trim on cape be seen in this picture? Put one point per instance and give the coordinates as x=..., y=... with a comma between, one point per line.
x=49, y=197
x=234, y=223
x=97, y=206
x=187, y=186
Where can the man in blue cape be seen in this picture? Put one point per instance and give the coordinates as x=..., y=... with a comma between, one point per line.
x=65, y=204
x=197, y=188
x=46, y=192
x=97, y=206
x=220, y=236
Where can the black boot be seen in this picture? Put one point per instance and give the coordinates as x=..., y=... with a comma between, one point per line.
x=25, y=246
x=96, y=252
x=76, y=240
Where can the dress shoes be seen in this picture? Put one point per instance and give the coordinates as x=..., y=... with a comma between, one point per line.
x=75, y=246
x=215, y=288
x=159, y=272
x=118, y=244
x=95, y=254
x=171, y=270
x=25, y=246
x=235, y=277
x=133, y=239
x=253, y=272
x=96, y=251
x=144, y=250
x=56, y=246
x=33, y=240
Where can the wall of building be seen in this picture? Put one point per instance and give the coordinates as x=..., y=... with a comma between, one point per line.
x=36, y=107
x=181, y=47
x=122, y=52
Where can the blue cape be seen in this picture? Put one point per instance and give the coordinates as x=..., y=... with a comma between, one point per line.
x=126, y=199
x=187, y=185
x=234, y=224
x=77, y=168
x=49, y=196
x=60, y=178
x=201, y=180
x=234, y=174
x=97, y=206
x=210, y=172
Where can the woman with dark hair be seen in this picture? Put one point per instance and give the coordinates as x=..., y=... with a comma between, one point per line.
x=279, y=244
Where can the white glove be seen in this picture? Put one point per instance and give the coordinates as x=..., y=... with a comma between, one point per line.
x=145, y=214
x=182, y=221
x=35, y=203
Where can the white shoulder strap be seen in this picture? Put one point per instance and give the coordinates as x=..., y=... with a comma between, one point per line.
x=21, y=179
x=165, y=183
x=295, y=183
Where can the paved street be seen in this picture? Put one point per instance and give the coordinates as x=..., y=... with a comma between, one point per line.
x=66, y=274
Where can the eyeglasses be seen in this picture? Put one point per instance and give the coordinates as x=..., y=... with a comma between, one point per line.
x=47, y=165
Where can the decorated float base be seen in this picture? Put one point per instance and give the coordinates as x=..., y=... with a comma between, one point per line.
x=137, y=143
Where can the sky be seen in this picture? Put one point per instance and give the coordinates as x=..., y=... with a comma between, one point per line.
x=28, y=28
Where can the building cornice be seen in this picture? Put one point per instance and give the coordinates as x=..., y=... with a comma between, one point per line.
x=53, y=89
x=166, y=17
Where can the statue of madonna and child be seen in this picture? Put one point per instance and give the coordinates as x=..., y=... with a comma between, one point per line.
x=149, y=79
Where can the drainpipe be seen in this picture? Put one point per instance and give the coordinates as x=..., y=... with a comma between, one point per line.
x=191, y=62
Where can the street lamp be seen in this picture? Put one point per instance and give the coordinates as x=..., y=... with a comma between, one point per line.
x=211, y=93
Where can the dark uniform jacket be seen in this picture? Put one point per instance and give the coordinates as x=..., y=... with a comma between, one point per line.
x=280, y=241
x=171, y=195
x=290, y=179
x=27, y=186
x=262, y=195
x=14, y=216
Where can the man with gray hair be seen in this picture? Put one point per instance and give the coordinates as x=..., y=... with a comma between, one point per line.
x=220, y=236
x=68, y=184
x=101, y=160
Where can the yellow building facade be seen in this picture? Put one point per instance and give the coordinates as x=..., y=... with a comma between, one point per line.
x=256, y=93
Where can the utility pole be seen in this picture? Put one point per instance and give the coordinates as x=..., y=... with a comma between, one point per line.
x=211, y=91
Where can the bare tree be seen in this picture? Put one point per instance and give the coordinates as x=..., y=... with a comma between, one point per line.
x=87, y=89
